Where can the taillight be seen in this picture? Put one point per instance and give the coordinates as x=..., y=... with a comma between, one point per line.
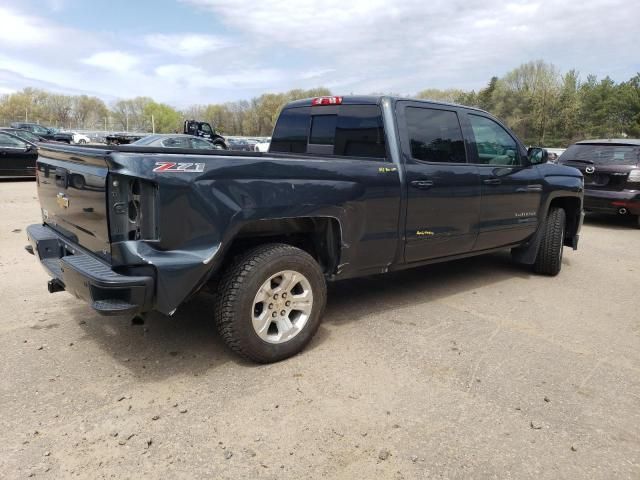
x=326, y=101
x=132, y=212
x=634, y=176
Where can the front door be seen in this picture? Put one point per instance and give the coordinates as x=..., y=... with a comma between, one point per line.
x=16, y=159
x=511, y=187
x=443, y=190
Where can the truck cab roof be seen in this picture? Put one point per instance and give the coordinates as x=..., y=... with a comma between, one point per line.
x=374, y=100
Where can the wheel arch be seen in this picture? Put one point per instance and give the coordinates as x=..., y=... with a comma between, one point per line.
x=321, y=237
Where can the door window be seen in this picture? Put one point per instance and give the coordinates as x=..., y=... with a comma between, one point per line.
x=493, y=144
x=201, y=144
x=435, y=135
x=11, y=142
x=176, y=142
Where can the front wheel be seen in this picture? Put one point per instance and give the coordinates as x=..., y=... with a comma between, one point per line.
x=270, y=302
x=549, y=258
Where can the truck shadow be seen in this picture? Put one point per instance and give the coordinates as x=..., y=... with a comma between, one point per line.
x=188, y=344
x=610, y=222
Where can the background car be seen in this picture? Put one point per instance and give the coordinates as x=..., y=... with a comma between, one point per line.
x=239, y=144
x=554, y=154
x=176, y=140
x=44, y=132
x=17, y=156
x=262, y=145
x=79, y=138
x=25, y=135
x=611, y=170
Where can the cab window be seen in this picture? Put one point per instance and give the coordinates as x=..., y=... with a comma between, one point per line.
x=493, y=144
x=435, y=135
x=9, y=141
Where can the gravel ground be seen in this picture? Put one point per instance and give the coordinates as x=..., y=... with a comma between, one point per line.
x=472, y=369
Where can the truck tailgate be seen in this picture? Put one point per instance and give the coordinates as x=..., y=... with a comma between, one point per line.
x=71, y=187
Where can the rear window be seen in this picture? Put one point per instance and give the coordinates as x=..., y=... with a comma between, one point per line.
x=602, y=154
x=323, y=129
x=435, y=135
x=347, y=130
x=290, y=134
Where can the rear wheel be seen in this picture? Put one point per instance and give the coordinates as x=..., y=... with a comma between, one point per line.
x=549, y=258
x=269, y=302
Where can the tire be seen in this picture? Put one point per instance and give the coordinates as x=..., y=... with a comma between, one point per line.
x=220, y=146
x=82, y=141
x=549, y=257
x=637, y=222
x=246, y=302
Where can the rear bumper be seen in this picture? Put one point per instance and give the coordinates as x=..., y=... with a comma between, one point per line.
x=606, y=201
x=87, y=277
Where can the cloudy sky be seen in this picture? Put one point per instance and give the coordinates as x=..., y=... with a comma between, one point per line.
x=205, y=51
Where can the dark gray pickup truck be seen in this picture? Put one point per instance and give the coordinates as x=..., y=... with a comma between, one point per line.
x=351, y=186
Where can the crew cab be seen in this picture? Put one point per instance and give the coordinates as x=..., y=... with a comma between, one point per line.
x=351, y=186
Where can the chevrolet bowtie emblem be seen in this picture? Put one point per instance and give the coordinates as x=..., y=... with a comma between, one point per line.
x=62, y=200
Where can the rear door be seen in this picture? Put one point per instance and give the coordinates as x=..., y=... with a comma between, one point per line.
x=352, y=139
x=443, y=189
x=511, y=188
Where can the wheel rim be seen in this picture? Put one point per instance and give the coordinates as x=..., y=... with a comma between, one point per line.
x=282, y=307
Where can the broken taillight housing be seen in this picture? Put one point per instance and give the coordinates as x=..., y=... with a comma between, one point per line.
x=132, y=209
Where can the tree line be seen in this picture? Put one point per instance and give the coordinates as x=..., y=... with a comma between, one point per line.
x=541, y=104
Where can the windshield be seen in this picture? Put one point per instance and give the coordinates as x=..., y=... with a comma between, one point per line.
x=26, y=135
x=602, y=154
x=145, y=140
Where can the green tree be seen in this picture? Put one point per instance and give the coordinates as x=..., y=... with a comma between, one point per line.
x=163, y=118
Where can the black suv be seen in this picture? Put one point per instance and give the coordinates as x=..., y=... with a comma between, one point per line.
x=611, y=170
x=44, y=132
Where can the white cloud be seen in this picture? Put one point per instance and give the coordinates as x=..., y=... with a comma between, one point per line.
x=114, y=60
x=18, y=29
x=186, y=44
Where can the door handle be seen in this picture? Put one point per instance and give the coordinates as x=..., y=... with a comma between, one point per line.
x=492, y=181
x=529, y=189
x=422, y=184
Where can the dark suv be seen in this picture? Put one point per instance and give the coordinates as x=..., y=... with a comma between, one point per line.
x=44, y=132
x=611, y=170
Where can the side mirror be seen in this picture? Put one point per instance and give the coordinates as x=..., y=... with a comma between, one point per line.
x=537, y=156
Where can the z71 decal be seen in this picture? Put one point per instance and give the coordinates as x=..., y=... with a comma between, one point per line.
x=179, y=167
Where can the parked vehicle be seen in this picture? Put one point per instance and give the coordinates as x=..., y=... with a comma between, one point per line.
x=611, y=171
x=177, y=141
x=204, y=130
x=79, y=138
x=24, y=135
x=262, y=146
x=239, y=145
x=351, y=186
x=554, y=153
x=44, y=132
x=122, y=138
x=17, y=156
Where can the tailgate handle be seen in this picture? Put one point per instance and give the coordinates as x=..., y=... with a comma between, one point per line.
x=62, y=175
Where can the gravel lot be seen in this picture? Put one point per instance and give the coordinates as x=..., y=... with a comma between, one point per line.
x=472, y=369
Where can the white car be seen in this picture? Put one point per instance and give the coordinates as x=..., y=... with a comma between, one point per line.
x=262, y=146
x=79, y=138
